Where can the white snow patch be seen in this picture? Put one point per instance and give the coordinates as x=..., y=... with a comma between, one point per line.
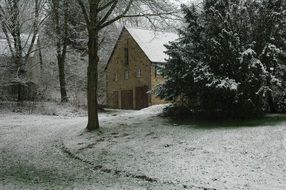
x=228, y=84
x=153, y=110
x=248, y=52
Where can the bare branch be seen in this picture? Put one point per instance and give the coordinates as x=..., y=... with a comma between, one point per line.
x=109, y=12
x=35, y=28
x=8, y=39
x=105, y=6
x=146, y=16
x=84, y=11
x=103, y=25
x=149, y=14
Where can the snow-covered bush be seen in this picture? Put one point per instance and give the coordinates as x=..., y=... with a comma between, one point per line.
x=216, y=67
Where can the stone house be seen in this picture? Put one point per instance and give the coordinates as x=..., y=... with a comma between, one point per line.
x=132, y=71
x=8, y=71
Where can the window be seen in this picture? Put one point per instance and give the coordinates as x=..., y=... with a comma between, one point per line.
x=126, y=56
x=126, y=75
x=115, y=77
x=158, y=70
x=139, y=73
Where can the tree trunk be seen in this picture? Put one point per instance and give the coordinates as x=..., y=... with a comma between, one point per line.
x=92, y=72
x=21, y=77
x=16, y=34
x=21, y=97
x=270, y=101
x=61, y=65
x=61, y=46
x=92, y=80
x=21, y=69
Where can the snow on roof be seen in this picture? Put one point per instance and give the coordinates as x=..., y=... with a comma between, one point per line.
x=4, y=48
x=152, y=42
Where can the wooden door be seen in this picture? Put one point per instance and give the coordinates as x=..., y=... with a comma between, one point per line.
x=115, y=100
x=127, y=99
x=141, y=100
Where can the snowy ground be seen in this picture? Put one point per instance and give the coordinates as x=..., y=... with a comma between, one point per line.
x=139, y=150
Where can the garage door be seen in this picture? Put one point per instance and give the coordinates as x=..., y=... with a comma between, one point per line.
x=127, y=99
x=141, y=97
x=115, y=99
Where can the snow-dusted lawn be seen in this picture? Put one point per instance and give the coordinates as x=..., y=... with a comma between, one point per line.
x=139, y=150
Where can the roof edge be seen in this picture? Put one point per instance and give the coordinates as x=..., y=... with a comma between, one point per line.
x=115, y=46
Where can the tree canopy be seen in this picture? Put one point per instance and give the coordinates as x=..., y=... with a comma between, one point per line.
x=229, y=59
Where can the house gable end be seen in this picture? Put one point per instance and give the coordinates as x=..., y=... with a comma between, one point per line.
x=117, y=44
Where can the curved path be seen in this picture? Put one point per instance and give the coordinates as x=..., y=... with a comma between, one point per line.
x=32, y=157
x=135, y=150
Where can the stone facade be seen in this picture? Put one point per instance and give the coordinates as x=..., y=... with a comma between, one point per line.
x=131, y=76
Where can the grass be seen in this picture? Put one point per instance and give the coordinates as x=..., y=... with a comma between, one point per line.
x=264, y=121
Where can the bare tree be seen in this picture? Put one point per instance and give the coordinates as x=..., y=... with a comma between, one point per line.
x=61, y=41
x=14, y=24
x=98, y=15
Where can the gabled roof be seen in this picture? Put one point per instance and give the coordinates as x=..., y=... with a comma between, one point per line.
x=152, y=43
